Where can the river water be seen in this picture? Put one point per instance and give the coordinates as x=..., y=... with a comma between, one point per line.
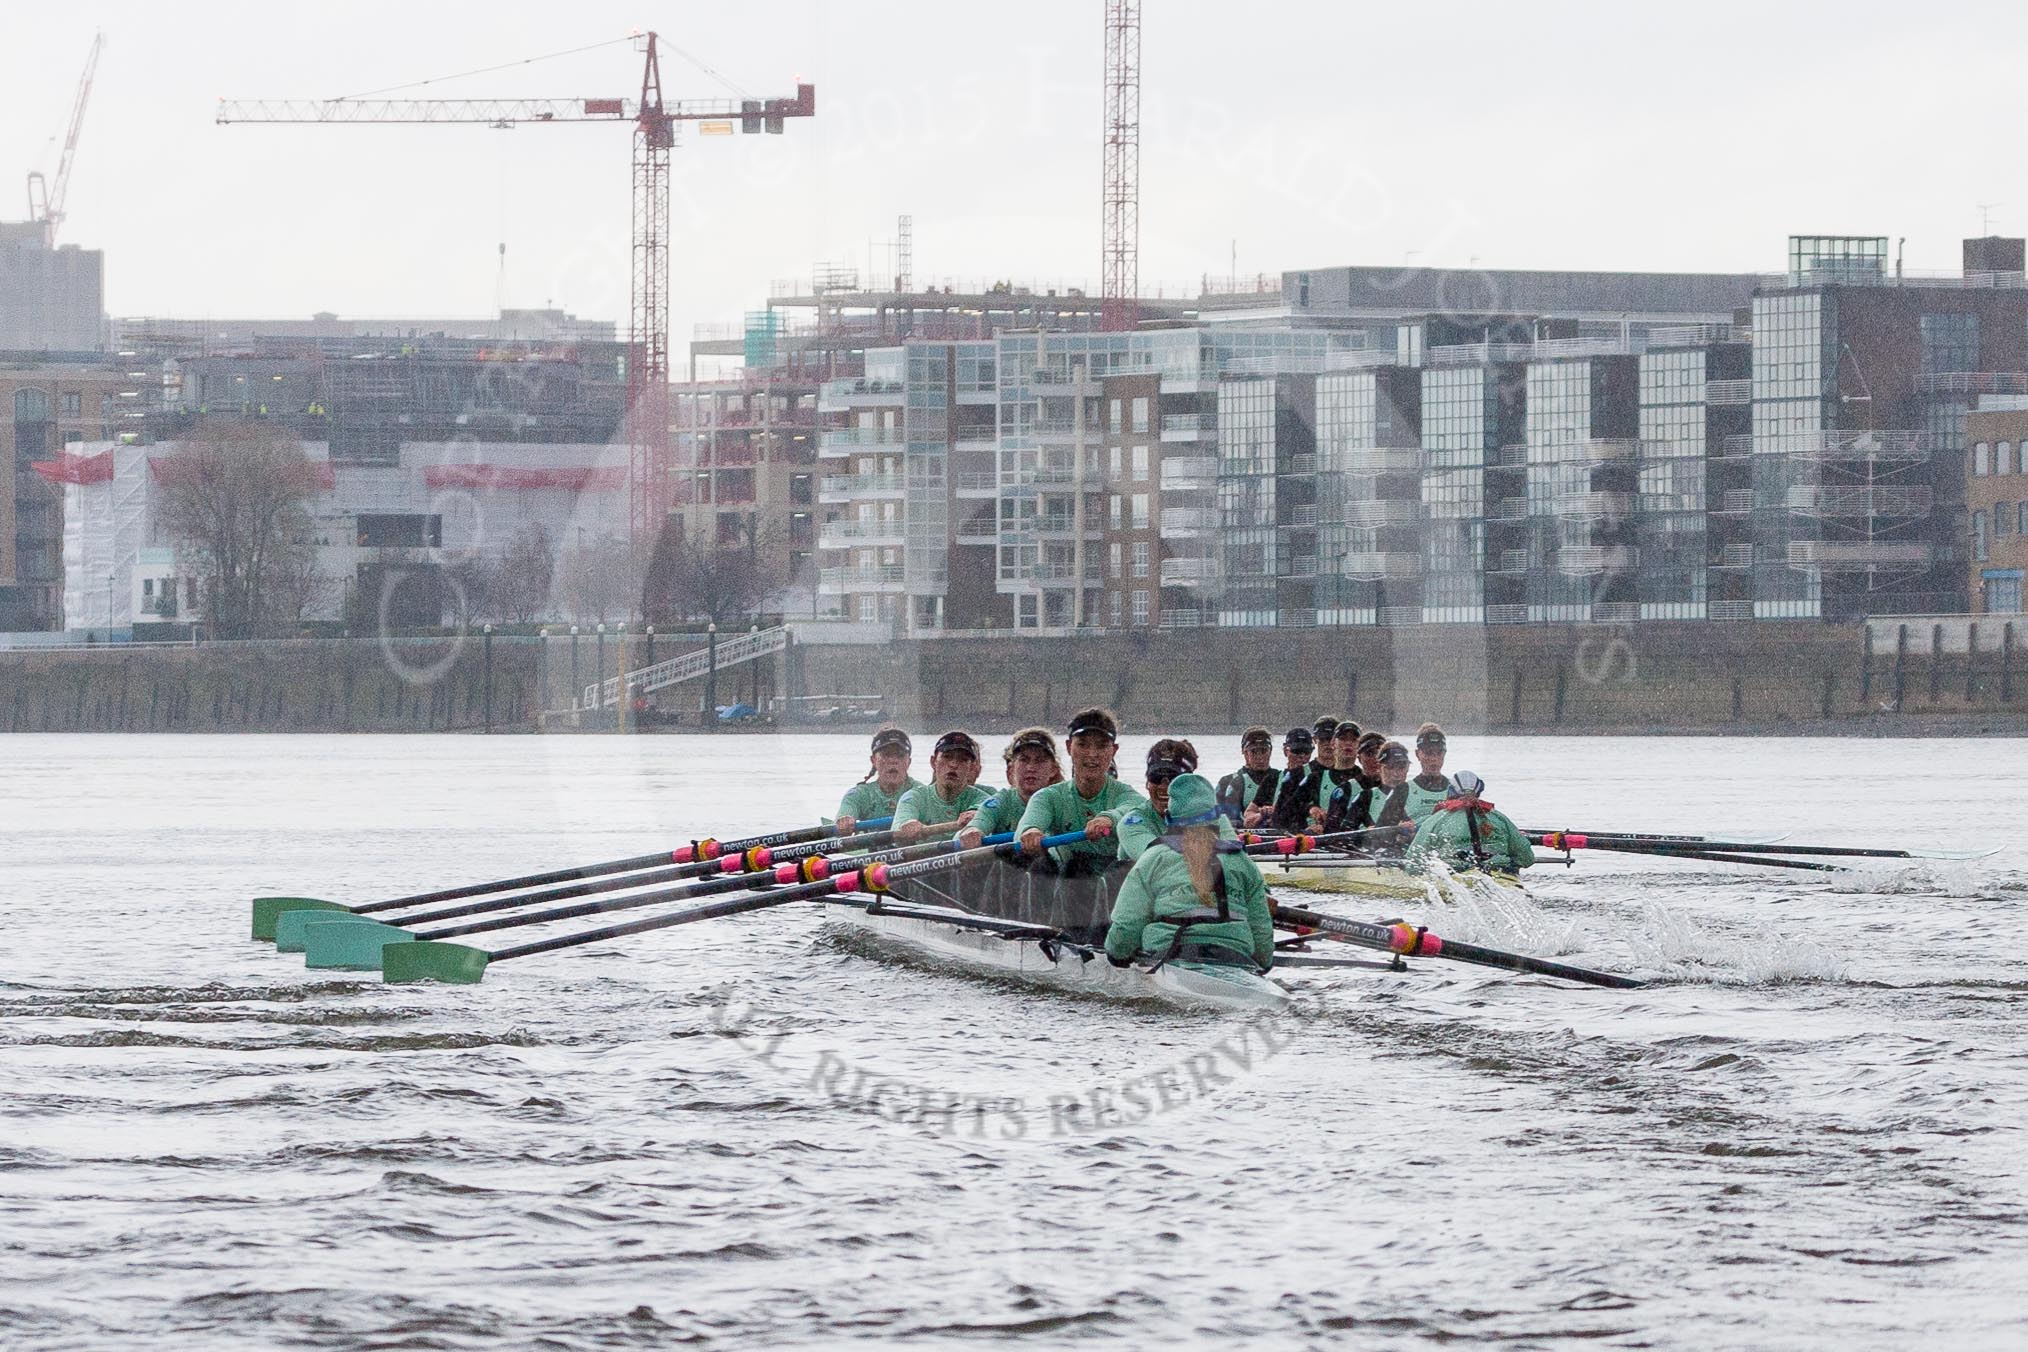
x=1806, y=1134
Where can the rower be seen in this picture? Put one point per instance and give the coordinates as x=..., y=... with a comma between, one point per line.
x=952, y=795
x=1343, y=753
x=1141, y=827
x=1030, y=756
x=1467, y=832
x=1430, y=787
x=1366, y=760
x=1191, y=896
x=1346, y=807
x=1082, y=802
x=1387, y=801
x=876, y=795
x=1247, y=795
x=1296, y=792
x=1325, y=732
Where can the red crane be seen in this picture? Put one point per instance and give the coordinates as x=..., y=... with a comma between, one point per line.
x=654, y=122
x=45, y=202
x=1119, y=305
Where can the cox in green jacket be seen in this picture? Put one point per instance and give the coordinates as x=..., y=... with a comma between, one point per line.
x=1448, y=832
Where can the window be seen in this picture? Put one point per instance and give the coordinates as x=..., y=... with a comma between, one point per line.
x=800, y=490
x=1114, y=421
x=1114, y=562
x=391, y=530
x=2003, y=459
x=147, y=588
x=2003, y=594
x=1116, y=610
x=1116, y=461
x=1979, y=550
x=2003, y=518
x=1140, y=607
x=1140, y=511
x=1116, y=509
x=1140, y=464
x=1140, y=558
x=1950, y=342
x=2021, y=518
x=1982, y=458
x=73, y=405
x=1141, y=414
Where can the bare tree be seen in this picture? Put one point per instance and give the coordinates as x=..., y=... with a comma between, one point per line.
x=717, y=580
x=520, y=577
x=598, y=580
x=235, y=500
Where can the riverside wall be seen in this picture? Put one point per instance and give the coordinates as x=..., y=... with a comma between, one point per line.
x=1654, y=677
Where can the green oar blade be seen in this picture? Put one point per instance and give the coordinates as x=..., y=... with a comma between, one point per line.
x=348, y=944
x=432, y=960
x=267, y=909
x=292, y=927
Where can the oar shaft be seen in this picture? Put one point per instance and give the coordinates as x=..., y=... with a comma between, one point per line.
x=682, y=854
x=876, y=877
x=1754, y=860
x=753, y=858
x=1585, y=840
x=1411, y=941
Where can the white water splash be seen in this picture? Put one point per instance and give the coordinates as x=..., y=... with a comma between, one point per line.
x=1682, y=950
x=1480, y=910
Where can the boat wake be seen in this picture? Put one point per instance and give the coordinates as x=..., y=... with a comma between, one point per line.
x=1679, y=949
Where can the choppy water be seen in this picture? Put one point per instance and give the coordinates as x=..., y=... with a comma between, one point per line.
x=754, y=1133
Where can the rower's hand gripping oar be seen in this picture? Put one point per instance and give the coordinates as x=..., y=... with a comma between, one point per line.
x=687, y=861
x=437, y=961
x=272, y=913
x=1415, y=941
x=1303, y=844
x=357, y=944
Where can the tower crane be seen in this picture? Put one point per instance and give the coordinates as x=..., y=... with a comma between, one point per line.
x=654, y=122
x=1120, y=290
x=45, y=200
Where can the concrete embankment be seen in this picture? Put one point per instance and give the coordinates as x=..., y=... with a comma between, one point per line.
x=1908, y=679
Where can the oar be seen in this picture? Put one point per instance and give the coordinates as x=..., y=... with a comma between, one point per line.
x=438, y=961
x=698, y=855
x=1557, y=840
x=293, y=927
x=1415, y=941
x=1758, y=861
x=1651, y=835
x=355, y=943
x=1303, y=844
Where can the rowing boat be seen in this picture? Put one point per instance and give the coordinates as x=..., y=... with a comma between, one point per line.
x=1042, y=956
x=1371, y=878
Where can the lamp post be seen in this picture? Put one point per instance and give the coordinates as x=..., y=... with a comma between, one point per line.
x=711, y=674
x=488, y=667
x=599, y=675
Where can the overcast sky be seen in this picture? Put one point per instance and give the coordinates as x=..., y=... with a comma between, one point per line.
x=1536, y=135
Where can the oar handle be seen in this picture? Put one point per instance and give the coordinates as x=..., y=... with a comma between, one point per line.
x=1303, y=844
x=1416, y=941
x=709, y=848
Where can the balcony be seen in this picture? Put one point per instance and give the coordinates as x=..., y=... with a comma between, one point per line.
x=1733, y=558
x=977, y=530
x=859, y=393
x=1189, y=572
x=1508, y=562
x=1972, y=382
x=1860, y=500
x=1509, y=509
x=836, y=441
x=1374, y=512
x=1305, y=463
x=1186, y=617
x=1591, y=560
x=1731, y=612
x=1370, y=461
x=1187, y=426
x=974, y=484
x=1377, y=566
x=848, y=581
x=836, y=488
x=1297, y=565
x=1064, y=527
x=1728, y=393
x=1599, y=452
x=1506, y=614
x=1302, y=516
x=1188, y=520
x=1185, y=473
x=1733, y=502
x=1894, y=445
x=1831, y=556
x=848, y=534
x=1594, y=506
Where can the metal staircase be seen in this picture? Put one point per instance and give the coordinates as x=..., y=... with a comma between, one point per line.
x=689, y=667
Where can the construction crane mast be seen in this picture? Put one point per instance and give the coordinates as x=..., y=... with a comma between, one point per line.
x=45, y=201
x=654, y=124
x=1120, y=290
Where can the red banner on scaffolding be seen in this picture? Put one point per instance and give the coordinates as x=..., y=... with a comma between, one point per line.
x=519, y=478
x=76, y=469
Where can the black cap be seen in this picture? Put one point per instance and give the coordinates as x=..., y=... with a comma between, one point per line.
x=1372, y=741
x=1433, y=738
x=1081, y=726
x=1256, y=737
x=1346, y=728
x=956, y=741
x=1394, y=753
x=892, y=739
x=1169, y=763
x=1325, y=726
x=1299, y=739
x=1035, y=739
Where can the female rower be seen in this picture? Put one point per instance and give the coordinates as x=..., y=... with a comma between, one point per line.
x=876, y=795
x=1387, y=802
x=1296, y=793
x=1430, y=787
x=1466, y=832
x=1191, y=897
x=952, y=795
x=1247, y=795
x=1083, y=801
x=1342, y=779
x=1140, y=827
x=1031, y=766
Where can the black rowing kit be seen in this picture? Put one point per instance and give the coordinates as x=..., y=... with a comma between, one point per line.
x=1295, y=795
x=1240, y=790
